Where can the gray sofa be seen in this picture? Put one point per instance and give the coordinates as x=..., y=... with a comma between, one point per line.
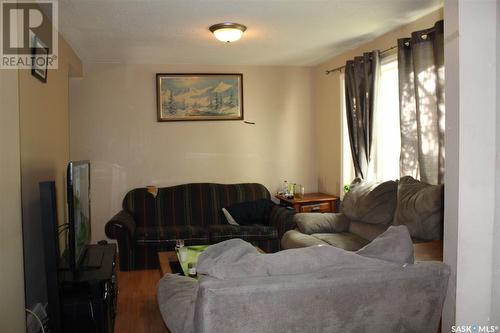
x=367, y=210
x=314, y=289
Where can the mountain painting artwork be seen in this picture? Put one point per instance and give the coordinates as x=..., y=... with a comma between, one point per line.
x=183, y=97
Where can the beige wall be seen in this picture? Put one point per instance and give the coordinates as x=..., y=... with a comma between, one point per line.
x=113, y=124
x=44, y=131
x=327, y=103
x=11, y=242
x=44, y=117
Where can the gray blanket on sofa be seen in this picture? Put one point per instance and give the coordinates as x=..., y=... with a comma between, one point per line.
x=315, y=289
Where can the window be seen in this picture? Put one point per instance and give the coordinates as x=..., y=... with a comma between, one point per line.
x=386, y=143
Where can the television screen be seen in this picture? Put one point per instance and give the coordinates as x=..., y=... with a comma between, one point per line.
x=78, y=210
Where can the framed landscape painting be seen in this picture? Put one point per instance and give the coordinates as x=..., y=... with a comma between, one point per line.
x=182, y=97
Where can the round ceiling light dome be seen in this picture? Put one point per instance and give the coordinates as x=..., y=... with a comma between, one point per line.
x=228, y=32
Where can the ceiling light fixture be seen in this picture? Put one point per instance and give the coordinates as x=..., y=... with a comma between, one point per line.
x=228, y=32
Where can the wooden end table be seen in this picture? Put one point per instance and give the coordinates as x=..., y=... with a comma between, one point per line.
x=311, y=202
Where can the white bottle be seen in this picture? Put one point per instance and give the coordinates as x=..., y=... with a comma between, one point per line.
x=285, y=188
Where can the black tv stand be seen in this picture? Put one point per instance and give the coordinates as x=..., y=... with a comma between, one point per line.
x=89, y=294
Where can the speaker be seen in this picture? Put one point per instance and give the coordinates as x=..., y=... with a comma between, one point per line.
x=48, y=209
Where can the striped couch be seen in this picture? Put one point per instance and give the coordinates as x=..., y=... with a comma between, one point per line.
x=192, y=212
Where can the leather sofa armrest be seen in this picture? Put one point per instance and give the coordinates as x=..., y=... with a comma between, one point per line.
x=121, y=223
x=315, y=223
x=122, y=228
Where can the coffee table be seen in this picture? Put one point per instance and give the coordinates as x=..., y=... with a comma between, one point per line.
x=167, y=257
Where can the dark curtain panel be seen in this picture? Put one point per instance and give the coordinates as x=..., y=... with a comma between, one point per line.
x=361, y=82
x=421, y=104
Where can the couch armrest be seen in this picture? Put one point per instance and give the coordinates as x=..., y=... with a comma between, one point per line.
x=122, y=222
x=122, y=228
x=282, y=219
x=315, y=223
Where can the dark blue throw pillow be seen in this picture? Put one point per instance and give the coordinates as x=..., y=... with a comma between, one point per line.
x=251, y=212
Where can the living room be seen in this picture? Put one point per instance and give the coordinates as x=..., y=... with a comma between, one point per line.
x=101, y=105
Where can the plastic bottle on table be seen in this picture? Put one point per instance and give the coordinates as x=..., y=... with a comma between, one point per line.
x=285, y=188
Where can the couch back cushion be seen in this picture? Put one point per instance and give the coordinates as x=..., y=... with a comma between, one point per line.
x=141, y=205
x=393, y=245
x=420, y=208
x=241, y=261
x=370, y=202
x=201, y=203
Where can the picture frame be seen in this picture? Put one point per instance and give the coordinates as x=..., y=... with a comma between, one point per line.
x=197, y=97
x=39, y=52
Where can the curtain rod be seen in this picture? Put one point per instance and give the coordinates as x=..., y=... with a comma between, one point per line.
x=341, y=67
x=423, y=35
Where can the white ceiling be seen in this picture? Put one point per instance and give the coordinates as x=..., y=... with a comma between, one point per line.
x=280, y=32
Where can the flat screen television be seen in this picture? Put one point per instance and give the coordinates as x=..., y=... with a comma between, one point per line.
x=78, y=196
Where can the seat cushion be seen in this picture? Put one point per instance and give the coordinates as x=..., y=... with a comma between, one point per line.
x=222, y=232
x=343, y=240
x=366, y=230
x=170, y=234
x=293, y=239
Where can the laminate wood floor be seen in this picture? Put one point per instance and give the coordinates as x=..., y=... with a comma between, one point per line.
x=137, y=310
